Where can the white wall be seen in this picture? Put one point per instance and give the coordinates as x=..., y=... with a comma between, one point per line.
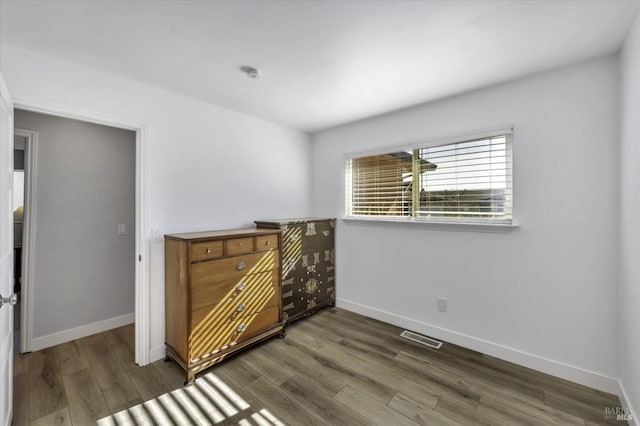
x=629, y=299
x=86, y=184
x=543, y=295
x=209, y=168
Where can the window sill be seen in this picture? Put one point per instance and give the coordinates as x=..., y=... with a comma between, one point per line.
x=424, y=224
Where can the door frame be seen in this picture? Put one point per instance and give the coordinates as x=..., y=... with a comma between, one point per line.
x=28, y=252
x=142, y=284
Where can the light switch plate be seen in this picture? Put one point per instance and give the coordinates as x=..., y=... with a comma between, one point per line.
x=442, y=304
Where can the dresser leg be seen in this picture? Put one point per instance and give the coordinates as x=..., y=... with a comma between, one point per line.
x=282, y=334
x=167, y=359
x=191, y=378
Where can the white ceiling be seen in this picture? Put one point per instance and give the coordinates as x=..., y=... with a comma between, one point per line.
x=323, y=63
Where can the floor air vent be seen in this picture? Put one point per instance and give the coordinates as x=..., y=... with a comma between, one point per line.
x=424, y=340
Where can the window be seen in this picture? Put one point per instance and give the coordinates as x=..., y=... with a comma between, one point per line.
x=466, y=181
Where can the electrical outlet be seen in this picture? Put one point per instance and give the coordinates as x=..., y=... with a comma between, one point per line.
x=442, y=304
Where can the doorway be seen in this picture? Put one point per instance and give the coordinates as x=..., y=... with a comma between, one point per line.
x=137, y=228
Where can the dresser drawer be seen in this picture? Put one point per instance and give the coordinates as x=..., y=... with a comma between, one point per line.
x=266, y=242
x=207, y=319
x=236, y=246
x=228, y=334
x=216, y=271
x=205, y=295
x=206, y=250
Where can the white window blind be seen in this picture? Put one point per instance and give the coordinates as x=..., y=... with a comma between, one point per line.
x=465, y=181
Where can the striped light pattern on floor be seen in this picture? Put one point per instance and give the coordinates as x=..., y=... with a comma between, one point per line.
x=208, y=401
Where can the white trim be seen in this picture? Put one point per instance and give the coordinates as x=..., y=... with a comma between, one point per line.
x=28, y=238
x=625, y=400
x=545, y=365
x=408, y=222
x=142, y=245
x=80, y=332
x=157, y=353
x=142, y=142
x=81, y=114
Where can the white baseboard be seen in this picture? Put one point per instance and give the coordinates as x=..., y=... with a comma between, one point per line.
x=64, y=336
x=545, y=365
x=626, y=403
x=157, y=353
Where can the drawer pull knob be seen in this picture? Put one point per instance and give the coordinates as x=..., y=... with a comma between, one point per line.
x=268, y=242
x=241, y=307
x=241, y=266
x=241, y=286
x=208, y=250
x=241, y=328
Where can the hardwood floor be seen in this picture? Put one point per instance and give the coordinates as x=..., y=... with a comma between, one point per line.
x=334, y=368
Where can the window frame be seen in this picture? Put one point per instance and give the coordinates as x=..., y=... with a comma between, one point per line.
x=437, y=222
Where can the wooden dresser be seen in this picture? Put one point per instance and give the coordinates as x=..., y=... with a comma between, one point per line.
x=308, y=264
x=222, y=294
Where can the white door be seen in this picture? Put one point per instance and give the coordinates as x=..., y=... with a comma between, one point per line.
x=6, y=254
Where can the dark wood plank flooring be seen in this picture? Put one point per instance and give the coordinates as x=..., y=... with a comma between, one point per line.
x=333, y=368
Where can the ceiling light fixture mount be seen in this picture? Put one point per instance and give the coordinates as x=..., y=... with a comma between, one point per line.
x=251, y=72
